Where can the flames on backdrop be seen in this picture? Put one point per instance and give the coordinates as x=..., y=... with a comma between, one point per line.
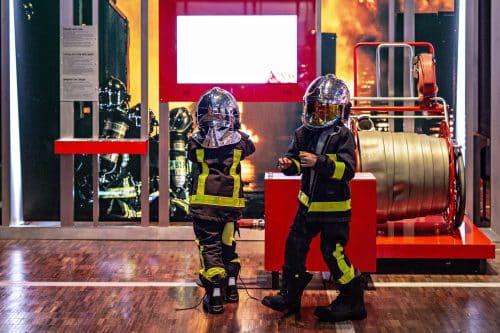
x=248, y=170
x=353, y=22
x=364, y=21
x=431, y=6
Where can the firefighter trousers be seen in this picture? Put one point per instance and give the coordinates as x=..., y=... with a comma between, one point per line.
x=217, y=247
x=333, y=239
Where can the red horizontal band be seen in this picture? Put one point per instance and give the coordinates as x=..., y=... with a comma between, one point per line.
x=101, y=146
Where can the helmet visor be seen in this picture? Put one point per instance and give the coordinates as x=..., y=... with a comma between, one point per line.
x=319, y=114
x=217, y=120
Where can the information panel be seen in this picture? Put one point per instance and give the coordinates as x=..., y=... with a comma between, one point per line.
x=79, y=59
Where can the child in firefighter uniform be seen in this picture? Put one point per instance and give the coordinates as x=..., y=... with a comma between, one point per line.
x=323, y=152
x=216, y=194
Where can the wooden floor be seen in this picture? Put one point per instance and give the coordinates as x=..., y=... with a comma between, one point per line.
x=136, y=286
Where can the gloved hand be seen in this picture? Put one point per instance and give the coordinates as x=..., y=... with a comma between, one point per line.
x=284, y=163
x=307, y=159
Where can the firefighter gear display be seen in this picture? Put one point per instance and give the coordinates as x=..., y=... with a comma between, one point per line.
x=113, y=100
x=181, y=126
x=323, y=152
x=113, y=95
x=119, y=174
x=216, y=192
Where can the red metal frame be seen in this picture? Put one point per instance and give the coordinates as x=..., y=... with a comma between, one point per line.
x=305, y=10
x=444, y=132
x=374, y=44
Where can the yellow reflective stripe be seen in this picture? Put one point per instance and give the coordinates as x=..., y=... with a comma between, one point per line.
x=200, y=157
x=182, y=204
x=339, y=170
x=304, y=199
x=333, y=157
x=325, y=206
x=211, y=272
x=232, y=172
x=331, y=206
x=236, y=260
x=339, y=167
x=201, y=198
x=297, y=164
x=217, y=201
x=153, y=195
x=347, y=271
x=228, y=233
x=118, y=192
x=125, y=209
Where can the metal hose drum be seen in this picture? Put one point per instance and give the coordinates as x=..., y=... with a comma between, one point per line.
x=412, y=172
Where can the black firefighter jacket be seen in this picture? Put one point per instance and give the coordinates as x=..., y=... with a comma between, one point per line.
x=216, y=192
x=325, y=194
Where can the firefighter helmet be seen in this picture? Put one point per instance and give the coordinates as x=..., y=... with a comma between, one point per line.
x=326, y=102
x=218, y=117
x=113, y=95
x=217, y=108
x=180, y=120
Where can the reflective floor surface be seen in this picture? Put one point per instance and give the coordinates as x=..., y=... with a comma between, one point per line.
x=140, y=286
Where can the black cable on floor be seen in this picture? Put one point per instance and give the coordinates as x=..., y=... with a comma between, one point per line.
x=190, y=307
x=246, y=289
x=201, y=299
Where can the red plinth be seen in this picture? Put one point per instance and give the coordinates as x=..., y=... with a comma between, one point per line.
x=468, y=242
x=280, y=204
x=100, y=146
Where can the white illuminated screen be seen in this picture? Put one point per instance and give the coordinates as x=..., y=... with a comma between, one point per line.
x=237, y=49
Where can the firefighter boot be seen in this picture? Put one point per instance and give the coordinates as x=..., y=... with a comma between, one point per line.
x=212, y=301
x=349, y=304
x=290, y=295
x=231, y=290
